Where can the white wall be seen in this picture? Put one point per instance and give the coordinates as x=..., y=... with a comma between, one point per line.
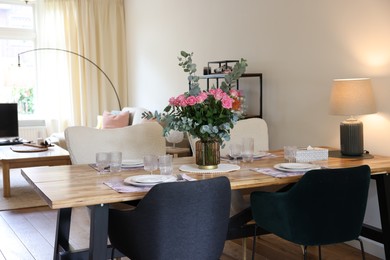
x=300, y=47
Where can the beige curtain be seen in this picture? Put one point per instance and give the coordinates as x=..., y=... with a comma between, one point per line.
x=94, y=29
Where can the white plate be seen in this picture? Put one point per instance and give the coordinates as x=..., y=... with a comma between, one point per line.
x=296, y=167
x=132, y=163
x=256, y=155
x=149, y=180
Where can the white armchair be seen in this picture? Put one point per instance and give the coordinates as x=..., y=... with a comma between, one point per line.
x=135, y=118
x=133, y=141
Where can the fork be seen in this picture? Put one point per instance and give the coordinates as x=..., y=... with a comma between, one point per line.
x=179, y=177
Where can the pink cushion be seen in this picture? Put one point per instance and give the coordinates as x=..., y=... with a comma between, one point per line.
x=115, y=121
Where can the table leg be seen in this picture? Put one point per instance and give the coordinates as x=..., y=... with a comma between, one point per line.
x=6, y=180
x=99, y=232
x=62, y=232
x=383, y=189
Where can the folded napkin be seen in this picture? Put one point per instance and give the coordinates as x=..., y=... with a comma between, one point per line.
x=187, y=178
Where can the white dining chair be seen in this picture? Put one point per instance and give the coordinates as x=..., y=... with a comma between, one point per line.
x=133, y=141
x=251, y=127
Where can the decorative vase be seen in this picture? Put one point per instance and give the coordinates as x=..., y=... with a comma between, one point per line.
x=207, y=154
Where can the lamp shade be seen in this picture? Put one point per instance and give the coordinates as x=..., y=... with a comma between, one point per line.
x=352, y=97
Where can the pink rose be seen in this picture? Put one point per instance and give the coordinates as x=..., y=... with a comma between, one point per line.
x=181, y=100
x=227, y=102
x=172, y=101
x=191, y=100
x=219, y=94
x=234, y=93
x=201, y=97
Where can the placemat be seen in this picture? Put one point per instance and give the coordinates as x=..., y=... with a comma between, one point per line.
x=276, y=173
x=222, y=168
x=121, y=187
x=123, y=168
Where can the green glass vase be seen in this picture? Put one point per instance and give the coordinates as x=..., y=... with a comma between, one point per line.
x=207, y=154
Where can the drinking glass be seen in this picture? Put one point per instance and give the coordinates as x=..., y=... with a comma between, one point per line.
x=115, y=161
x=248, y=144
x=289, y=153
x=150, y=163
x=102, y=161
x=165, y=164
x=235, y=151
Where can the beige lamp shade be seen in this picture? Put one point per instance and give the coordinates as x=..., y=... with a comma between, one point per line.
x=352, y=97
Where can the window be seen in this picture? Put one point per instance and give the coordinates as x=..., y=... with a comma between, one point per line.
x=17, y=34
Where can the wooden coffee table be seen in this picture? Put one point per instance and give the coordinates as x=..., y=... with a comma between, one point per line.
x=10, y=159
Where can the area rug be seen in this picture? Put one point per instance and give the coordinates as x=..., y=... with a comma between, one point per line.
x=22, y=194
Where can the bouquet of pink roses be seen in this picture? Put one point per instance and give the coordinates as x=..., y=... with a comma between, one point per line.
x=207, y=115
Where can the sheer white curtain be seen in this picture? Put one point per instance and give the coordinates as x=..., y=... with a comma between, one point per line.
x=72, y=91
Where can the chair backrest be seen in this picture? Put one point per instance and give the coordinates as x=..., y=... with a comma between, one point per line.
x=181, y=220
x=251, y=127
x=133, y=141
x=325, y=206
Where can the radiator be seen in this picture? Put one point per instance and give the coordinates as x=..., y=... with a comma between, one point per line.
x=30, y=130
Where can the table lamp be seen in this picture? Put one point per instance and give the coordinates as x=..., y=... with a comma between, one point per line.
x=352, y=97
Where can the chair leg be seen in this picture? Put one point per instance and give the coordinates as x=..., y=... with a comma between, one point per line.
x=319, y=252
x=253, y=245
x=361, y=248
x=244, y=248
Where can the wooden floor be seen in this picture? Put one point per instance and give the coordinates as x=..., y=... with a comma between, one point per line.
x=29, y=234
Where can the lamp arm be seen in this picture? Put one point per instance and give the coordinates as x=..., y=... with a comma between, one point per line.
x=81, y=56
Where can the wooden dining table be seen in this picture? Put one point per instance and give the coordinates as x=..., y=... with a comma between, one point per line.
x=69, y=186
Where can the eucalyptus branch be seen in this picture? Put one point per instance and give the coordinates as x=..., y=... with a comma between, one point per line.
x=232, y=77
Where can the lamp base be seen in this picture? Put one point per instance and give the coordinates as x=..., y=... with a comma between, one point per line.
x=351, y=137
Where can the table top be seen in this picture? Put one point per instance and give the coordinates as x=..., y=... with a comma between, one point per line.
x=80, y=185
x=53, y=151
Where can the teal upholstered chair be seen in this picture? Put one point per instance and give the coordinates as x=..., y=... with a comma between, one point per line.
x=324, y=207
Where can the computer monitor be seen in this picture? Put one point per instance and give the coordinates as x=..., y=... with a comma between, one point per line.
x=9, y=125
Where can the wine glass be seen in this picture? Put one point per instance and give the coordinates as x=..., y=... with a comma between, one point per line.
x=235, y=151
x=150, y=163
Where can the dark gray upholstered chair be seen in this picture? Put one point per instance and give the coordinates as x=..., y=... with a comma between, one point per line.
x=324, y=207
x=179, y=220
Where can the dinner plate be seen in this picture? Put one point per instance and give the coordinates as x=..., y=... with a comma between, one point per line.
x=256, y=155
x=149, y=180
x=296, y=167
x=132, y=163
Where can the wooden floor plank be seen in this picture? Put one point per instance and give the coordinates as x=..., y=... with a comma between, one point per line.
x=10, y=245
x=31, y=238
x=24, y=231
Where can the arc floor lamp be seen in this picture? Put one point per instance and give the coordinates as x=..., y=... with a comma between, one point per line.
x=81, y=56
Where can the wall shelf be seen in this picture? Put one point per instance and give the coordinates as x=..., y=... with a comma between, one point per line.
x=217, y=77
